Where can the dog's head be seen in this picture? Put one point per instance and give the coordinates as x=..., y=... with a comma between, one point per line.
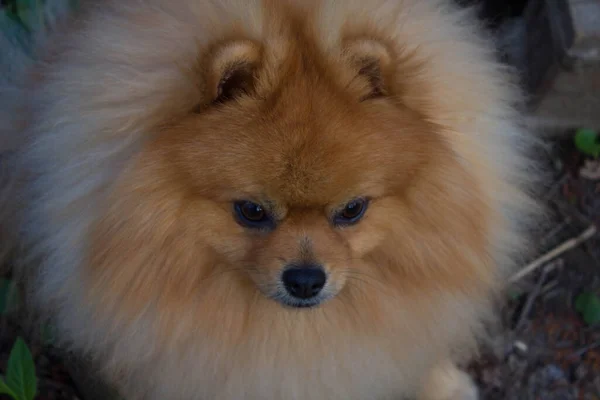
x=297, y=175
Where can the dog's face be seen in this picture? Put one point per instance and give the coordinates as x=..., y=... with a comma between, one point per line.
x=297, y=181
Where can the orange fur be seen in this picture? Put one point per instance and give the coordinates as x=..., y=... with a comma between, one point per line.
x=130, y=171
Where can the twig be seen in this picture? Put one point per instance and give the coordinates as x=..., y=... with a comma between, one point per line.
x=554, y=231
x=548, y=287
x=568, y=211
x=557, y=251
x=580, y=352
x=532, y=296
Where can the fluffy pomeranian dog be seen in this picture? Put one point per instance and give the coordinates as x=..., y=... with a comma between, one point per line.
x=260, y=199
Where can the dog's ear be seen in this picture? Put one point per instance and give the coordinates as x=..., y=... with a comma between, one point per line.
x=232, y=71
x=371, y=62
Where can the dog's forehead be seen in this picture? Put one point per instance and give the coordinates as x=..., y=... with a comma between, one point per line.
x=313, y=151
x=307, y=142
x=319, y=171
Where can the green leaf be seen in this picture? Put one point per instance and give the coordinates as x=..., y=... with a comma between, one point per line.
x=20, y=372
x=581, y=301
x=588, y=142
x=4, y=389
x=588, y=305
x=30, y=14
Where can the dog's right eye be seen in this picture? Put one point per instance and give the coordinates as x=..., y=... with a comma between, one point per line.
x=252, y=215
x=351, y=213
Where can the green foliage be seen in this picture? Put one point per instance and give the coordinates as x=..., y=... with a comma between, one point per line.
x=29, y=13
x=588, y=142
x=20, y=381
x=30, y=16
x=21, y=12
x=4, y=389
x=588, y=305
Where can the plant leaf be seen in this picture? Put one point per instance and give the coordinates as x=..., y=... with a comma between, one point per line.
x=4, y=389
x=20, y=372
x=581, y=301
x=588, y=142
x=588, y=305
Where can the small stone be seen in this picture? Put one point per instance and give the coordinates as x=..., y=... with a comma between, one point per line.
x=554, y=373
x=581, y=372
x=520, y=347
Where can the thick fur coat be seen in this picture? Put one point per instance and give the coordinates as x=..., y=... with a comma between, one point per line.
x=141, y=122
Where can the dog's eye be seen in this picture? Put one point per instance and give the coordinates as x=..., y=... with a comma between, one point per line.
x=352, y=212
x=252, y=215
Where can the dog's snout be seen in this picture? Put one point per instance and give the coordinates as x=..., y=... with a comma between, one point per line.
x=304, y=282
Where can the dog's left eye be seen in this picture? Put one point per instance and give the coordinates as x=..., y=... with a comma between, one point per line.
x=252, y=215
x=352, y=212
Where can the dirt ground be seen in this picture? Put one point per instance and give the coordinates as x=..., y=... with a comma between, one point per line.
x=546, y=351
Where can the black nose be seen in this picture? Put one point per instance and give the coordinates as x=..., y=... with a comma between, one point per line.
x=304, y=282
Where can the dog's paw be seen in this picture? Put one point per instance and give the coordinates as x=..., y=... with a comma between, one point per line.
x=447, y=382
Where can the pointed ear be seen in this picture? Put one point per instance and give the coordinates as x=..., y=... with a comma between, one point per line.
x=371, y=62
x=231, y=71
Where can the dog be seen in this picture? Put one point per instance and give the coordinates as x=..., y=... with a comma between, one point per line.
x=261, y=199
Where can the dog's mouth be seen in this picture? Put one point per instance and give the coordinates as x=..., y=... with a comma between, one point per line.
x=295, y=303
x=298, y=289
